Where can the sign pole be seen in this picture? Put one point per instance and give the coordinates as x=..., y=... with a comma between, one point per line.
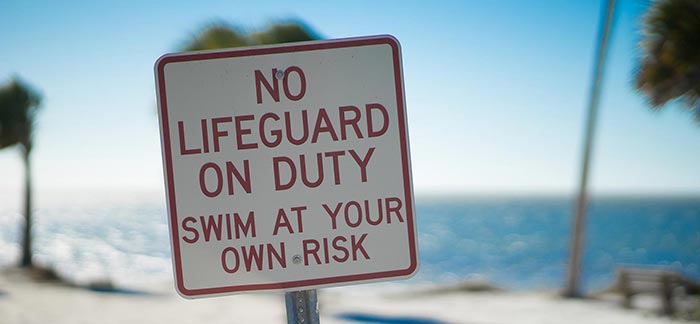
x=302, y=307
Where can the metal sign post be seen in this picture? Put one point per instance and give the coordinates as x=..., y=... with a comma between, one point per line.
x=302, y=307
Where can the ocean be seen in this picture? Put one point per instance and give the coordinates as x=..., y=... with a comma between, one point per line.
x=513, y=242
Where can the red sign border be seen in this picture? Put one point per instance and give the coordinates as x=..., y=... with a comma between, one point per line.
x=279, y=49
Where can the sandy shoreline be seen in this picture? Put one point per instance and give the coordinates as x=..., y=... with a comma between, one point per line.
x=25, y=301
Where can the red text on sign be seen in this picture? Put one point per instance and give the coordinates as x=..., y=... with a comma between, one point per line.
x=273, y=88
x=254, y=257
x=227, y=226
x=287, y=171
x=354, y=213
x=337, y=249
x=245, y=132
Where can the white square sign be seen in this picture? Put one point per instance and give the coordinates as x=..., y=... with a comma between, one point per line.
x=287, y=166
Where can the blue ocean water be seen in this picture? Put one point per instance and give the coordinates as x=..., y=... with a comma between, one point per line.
x=523, y=243
x=514, y=242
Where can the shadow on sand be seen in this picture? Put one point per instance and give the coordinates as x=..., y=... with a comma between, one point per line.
x=379, y=319
x=47, y=275
x=111, y=289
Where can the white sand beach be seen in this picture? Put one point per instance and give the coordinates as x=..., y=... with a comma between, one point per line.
x=26, y=301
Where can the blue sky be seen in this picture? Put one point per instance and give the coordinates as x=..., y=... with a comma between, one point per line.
x=496, y=91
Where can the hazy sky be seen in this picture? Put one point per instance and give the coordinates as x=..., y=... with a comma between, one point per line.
x=496, y=91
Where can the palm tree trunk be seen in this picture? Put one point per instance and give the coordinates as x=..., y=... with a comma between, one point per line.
x=27, y=232
x=573, y=277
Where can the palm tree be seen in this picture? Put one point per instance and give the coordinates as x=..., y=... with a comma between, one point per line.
x=284, y=33
x=221, y=35
x=18, y=109
x=670, y=65
x=217, y=35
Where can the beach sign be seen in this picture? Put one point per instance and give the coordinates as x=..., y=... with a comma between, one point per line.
x=287, y=167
